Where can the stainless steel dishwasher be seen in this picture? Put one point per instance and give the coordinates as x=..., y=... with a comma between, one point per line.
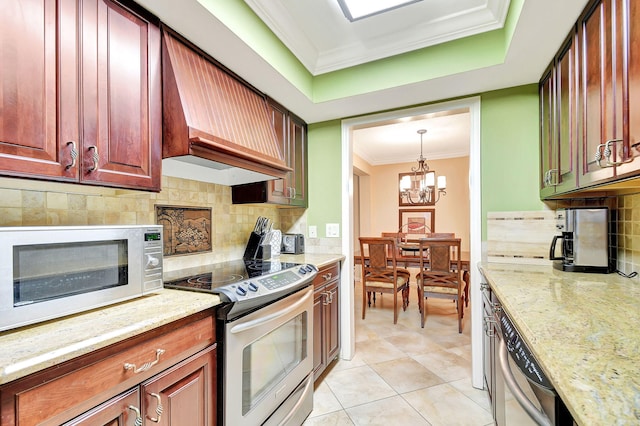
x=521, y=393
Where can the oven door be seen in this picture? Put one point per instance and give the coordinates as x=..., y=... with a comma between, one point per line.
x=268, y=356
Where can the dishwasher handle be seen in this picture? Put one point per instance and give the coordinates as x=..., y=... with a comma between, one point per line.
x=503, y=357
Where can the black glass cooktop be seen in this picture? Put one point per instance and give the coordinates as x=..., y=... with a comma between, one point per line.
x=212, y=276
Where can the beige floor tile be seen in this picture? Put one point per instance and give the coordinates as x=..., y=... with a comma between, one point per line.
x=443, y=405
x=389, y=411
x=357, y=386
x=478, y=396
x=446, y=365
x=374, y=351
x=406, y=374
x=408, y=362
x=345, y=364
x=338, y=418
x=324, y=401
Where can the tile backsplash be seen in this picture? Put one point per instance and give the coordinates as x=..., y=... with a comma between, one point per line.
x=26, y=202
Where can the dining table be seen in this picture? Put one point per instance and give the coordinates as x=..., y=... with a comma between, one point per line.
x=409, y=258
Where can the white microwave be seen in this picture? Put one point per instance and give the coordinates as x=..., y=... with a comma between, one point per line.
x=47, y=272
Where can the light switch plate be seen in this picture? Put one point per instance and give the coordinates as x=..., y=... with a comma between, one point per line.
x=313, y=231
x=333, y=230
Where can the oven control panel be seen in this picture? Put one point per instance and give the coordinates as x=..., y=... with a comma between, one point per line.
x=521, y=354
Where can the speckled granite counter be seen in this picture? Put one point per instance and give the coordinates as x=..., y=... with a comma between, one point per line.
x=29, y=349
x=585, y=331
x=317, y=259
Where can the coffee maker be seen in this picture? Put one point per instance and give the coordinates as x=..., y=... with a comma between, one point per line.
x=585, y=240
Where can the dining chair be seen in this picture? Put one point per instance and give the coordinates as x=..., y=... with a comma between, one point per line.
x=380, y=272
x=440, y=274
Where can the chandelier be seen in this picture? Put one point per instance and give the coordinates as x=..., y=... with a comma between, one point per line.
x=419, y=187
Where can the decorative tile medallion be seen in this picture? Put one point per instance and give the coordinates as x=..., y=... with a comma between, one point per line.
x=187, y=230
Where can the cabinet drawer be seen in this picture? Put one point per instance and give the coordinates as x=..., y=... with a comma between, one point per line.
x=95, y=379
x=327, y=274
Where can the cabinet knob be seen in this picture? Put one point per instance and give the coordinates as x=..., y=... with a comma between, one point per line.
x=327, y=276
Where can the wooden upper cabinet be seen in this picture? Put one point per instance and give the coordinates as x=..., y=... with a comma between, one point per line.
x=597, y=100
x=548, y=141
x=83, y=83
x=610, y=76
x=298, y=161
x=122, y=128
x=38, y=43
x=628, y=17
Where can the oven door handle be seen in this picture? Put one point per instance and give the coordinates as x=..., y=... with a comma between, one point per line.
x=239, y=328
x=503, y=356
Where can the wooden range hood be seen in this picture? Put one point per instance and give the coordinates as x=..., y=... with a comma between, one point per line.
x=216, y=129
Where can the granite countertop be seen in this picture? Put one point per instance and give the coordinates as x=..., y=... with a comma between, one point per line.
x=584, y=329
x=318, y=259
x=33, y=348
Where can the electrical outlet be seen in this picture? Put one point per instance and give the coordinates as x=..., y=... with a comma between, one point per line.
x=333, y=230
x=313, y=231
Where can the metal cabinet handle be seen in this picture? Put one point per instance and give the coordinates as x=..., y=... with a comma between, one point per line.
x=96, y=158
x=325, y=298
x=603, y=151
x=73, y=153
x=327, y=276
x=159, y=408
x=146, y=366
x=138, y=421
x=489, y=330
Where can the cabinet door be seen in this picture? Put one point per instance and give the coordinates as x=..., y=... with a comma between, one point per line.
x=38, y=38
x=628, y=15
x=597, y=104
x=548, y=145
x=183, y=394
x=319, y=353
x=298, y=161
x=332, y=321
x=121, y=97
x=565, y=116
x=278, y=188
x=121, y=410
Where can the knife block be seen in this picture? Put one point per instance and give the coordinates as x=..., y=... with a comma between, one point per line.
x=257, y=248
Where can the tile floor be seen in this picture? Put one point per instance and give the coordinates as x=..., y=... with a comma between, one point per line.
x=402, y=374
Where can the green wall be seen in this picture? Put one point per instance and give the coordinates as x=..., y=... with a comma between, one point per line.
x=325, y=175
x=509, y=151
x=509, y=158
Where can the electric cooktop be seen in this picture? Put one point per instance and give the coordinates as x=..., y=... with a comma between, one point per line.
x=244, y=285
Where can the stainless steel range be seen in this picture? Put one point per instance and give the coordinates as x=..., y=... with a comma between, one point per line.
x=266, y=332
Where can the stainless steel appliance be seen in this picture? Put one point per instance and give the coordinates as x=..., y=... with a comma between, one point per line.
x=520, y=392
x=585, y=241
x=292, y=243
x=49, y=272
x=266, y=330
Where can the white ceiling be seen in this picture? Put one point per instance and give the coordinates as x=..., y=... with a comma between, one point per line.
x=323, y=39
x=318, y=34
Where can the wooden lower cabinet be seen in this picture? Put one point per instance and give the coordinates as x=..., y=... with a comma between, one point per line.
x=183, y=393
x=326, y=318
x=173, y=365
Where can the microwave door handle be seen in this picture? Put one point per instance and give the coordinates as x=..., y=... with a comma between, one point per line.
x=503, y=357
x=552, y=249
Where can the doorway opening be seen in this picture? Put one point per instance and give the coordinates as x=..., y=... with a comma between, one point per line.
x=472, y=105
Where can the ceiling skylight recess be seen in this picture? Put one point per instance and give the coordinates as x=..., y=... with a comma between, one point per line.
x=359, y=9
